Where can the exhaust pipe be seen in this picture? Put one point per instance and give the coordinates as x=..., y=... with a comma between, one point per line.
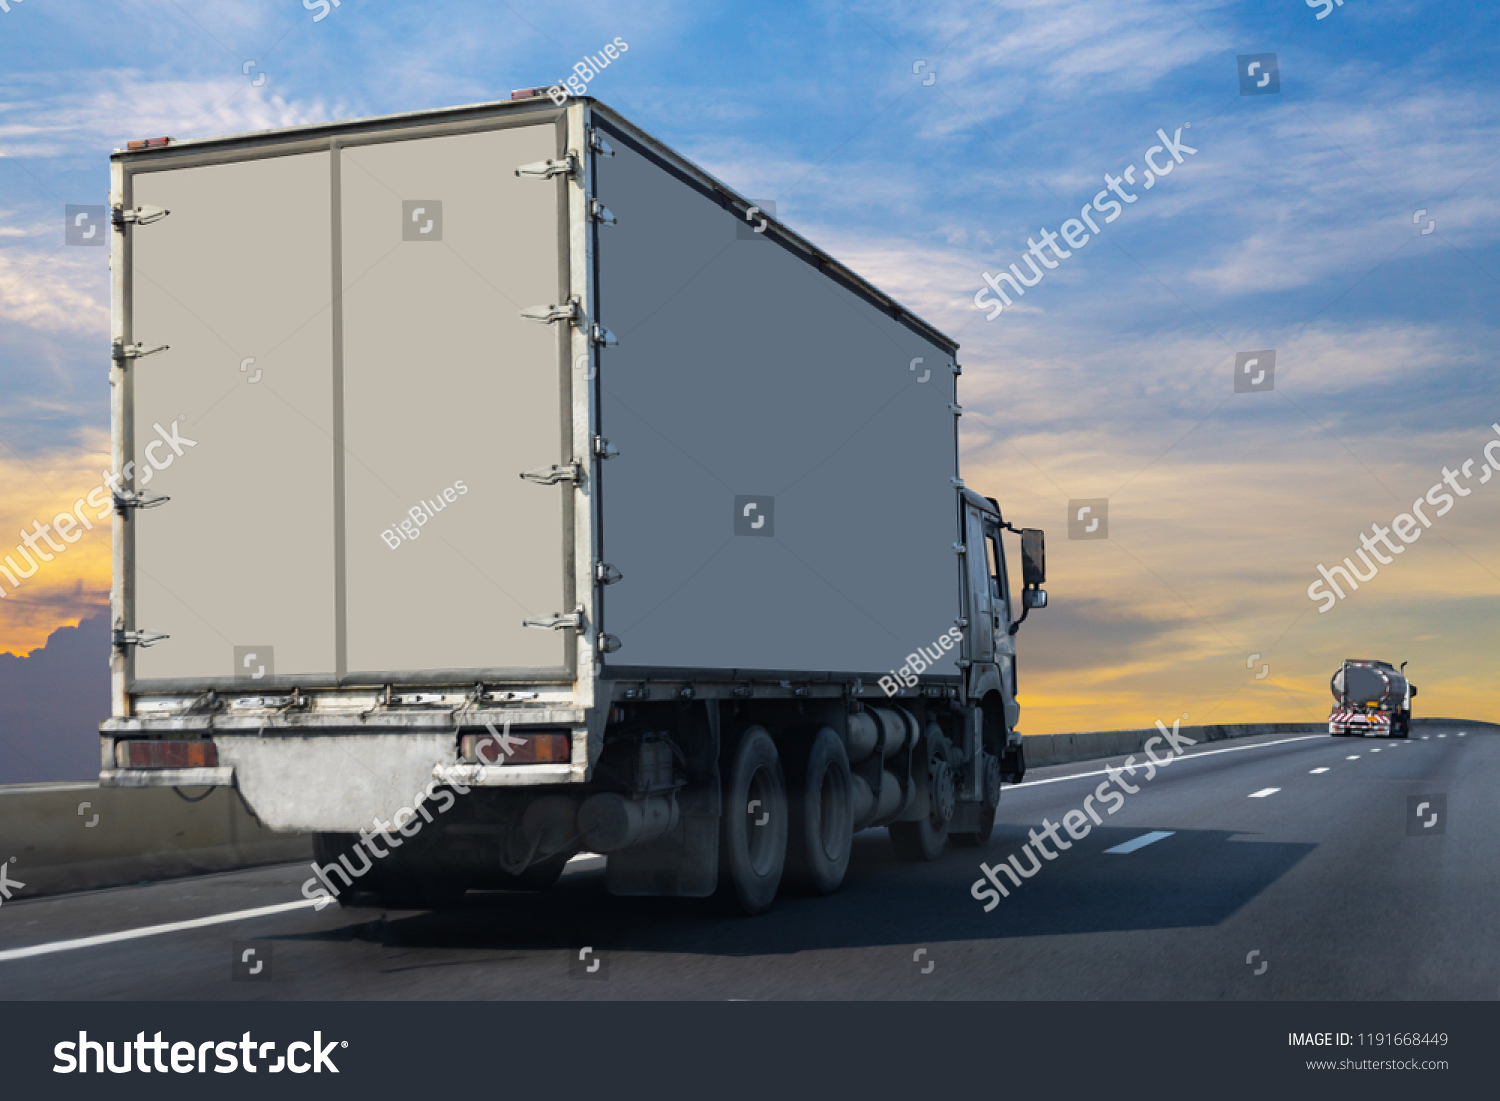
x=611, y=821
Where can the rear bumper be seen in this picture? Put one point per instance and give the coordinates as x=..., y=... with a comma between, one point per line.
x=223, y=776
x=316, y=776
x=1345, y=722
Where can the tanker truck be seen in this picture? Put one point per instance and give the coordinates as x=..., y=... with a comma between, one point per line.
x=494, y=485
x=1371, y=697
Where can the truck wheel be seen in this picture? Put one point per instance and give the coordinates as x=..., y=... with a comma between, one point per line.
x=926, y=838
x=820, y=814
x=992, y=779
x=979, y=836
x=752, y=834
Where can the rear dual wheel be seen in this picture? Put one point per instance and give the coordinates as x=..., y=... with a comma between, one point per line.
x=753, y=824
x=821, y=814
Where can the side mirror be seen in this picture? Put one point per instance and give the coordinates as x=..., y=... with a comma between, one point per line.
x=1034, y=559
x=1037, y=598
x=1413, y=688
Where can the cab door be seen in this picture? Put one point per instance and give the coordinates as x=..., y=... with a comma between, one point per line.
x=1005, y=641
x=981, y=600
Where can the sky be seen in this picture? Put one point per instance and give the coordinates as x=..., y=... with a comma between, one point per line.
x=1341, y=215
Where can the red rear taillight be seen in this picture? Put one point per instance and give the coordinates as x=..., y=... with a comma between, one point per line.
x=166, y=754
x=516, y=749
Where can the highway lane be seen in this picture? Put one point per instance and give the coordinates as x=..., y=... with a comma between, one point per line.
x=1295, y=849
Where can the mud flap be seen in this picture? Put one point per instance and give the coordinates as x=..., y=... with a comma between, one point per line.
x=1013, y=764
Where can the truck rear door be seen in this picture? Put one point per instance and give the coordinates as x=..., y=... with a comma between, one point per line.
x=348, y=357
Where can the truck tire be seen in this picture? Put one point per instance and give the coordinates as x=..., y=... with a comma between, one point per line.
x=979, y=836
x=925, y=839
x=820, y=814
x=753, y=829
x=993, y=773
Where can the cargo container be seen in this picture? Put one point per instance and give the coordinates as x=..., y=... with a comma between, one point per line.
x=498, y=485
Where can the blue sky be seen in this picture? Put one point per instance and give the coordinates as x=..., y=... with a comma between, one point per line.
x=1291, y=228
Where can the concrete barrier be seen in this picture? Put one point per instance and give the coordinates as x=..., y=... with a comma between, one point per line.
x=1090, y=745
x=74, y=837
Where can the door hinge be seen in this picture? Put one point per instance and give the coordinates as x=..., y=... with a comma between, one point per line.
x=602, y=214
x=957, y=369
x=956, y=409
x=556, y=622
x=959, y=548
x=604, y=449
x=569, y=311
x=603, y=336
x=598, y=144
x=606, y=574
x=129, y=499
x=143, y=639
x=119, y=351
x=958, y=482
x=551, y=475
x=141, y=215
x=960, y=621
x=545, y=170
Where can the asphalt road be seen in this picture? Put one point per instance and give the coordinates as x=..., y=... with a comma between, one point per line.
x=1305, y=851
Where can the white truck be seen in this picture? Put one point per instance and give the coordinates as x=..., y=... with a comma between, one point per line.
x=495, y=485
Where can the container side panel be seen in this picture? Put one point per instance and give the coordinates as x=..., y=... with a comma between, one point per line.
x=449, y=394
x=236, y=282
x=782, y=498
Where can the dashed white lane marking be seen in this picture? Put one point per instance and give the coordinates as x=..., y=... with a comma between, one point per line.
x=1141, y=842
x=1184, y=757
x=1461, y=733
x=154, y=930
x=1352, y=757
x=1442, y=735
x=1318, y=770
x=1425, y=737
x=1375, y=749
x=1262, y=793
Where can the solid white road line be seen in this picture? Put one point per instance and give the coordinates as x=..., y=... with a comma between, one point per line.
x=153, y=930
x=1262, y=793
x=1184, y=757
x=1318, y=770
x=1141, y=842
